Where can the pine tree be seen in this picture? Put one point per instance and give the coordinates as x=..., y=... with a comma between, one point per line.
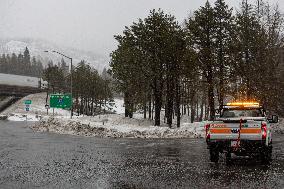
x=13, y=65
x=201, y=29
x=224, y=25
x=27, y=61
x=150, y=51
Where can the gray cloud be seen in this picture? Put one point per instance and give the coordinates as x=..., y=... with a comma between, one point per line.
x=84, y=24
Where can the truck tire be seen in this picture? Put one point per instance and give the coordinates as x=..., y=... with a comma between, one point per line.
x=266, y=155
x=214, y=155
x=228, y=158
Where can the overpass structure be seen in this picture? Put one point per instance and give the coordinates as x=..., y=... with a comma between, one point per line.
x=14, y=87
x=18, y=91
x=20, y=86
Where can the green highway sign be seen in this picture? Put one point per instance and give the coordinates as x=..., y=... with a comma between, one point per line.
x=28, y=102
x=63, y=101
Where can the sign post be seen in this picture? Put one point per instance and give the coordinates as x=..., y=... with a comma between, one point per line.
x=27, y=105
x=27, y=108
x=46, y=107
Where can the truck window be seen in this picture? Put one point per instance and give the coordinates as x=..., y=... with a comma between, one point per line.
x=241, y=113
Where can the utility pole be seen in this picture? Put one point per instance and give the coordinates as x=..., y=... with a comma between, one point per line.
x=71, y=79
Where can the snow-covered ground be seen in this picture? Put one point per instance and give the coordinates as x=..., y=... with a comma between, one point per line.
x=119, y=106
x=108, y=125
x=114, y=125
x=17, y=112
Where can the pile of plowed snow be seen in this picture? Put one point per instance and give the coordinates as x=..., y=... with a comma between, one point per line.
x=108, y=125
x=113, y=125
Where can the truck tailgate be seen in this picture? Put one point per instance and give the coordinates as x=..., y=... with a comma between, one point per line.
x=250, y=130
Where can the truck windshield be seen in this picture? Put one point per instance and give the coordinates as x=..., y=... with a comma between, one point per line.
x=241, y=113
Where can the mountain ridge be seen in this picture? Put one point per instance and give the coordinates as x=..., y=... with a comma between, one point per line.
x=38, y=46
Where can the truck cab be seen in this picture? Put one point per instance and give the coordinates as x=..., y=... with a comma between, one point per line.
x=242, y=129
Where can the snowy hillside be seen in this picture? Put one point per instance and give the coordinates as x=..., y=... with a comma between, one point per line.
x=37, y=48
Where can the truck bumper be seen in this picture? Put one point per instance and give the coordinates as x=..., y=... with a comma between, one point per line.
x=245, y=147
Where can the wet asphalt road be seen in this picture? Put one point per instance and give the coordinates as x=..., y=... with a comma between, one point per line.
x=45, y=160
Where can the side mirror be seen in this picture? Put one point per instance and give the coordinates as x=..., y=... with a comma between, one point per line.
x=275, y=119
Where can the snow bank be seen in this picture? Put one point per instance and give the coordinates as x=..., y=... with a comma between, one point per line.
x=109, y=125
x=23, y=117
x=117, y=126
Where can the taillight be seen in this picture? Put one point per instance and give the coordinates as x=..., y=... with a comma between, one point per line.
x=207, y=135
x=264, y=130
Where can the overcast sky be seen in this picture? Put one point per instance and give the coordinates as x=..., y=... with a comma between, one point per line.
x=85, y=24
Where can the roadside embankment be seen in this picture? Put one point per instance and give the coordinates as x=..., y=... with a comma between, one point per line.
x=6, y=102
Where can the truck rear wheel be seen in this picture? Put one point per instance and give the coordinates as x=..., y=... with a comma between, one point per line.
x=214, y=155
x=228, y=158
x=266, y=155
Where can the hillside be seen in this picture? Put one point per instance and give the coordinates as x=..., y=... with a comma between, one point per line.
x=37, y=48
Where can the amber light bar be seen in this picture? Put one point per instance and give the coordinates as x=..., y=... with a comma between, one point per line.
x=243, y=104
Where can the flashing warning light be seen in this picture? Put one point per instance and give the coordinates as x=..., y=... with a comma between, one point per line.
x=255, y=104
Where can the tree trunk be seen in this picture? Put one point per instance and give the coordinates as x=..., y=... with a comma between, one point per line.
x=126, y=104
x=145, y=110
x=178, y=102
x=158, y=105
x=201, y=108
x=150, y=107
x=197, y=106
x=169, y=103
x=192, y=106
x=211, y=95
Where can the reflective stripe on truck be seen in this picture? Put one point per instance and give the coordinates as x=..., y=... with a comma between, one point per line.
x=234, y=131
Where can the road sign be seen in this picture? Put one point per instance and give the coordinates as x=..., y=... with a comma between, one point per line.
x=60, y=101
x=28, y=102
x=27, y=107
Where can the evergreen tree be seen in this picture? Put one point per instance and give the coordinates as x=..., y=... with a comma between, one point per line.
x=224, y=25
x=201, y=29
x=27, y=61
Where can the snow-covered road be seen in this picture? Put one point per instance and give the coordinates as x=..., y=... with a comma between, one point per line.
x=45, y=160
